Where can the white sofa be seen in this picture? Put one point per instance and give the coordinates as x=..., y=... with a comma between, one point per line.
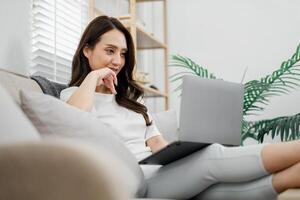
x=40, y=169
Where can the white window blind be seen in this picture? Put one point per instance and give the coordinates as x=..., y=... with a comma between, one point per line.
x=57, y=26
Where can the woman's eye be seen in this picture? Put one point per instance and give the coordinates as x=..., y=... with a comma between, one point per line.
x=123, y=55
x=110, y=51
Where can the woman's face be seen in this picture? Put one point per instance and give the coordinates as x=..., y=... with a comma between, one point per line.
x=108, y=52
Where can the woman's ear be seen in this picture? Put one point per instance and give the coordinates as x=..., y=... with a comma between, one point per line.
x=86, y=51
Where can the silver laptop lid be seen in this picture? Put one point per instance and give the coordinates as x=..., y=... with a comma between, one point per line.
x=211, y=111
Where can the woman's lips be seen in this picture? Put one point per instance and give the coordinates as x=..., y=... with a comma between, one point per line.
x=115, y=70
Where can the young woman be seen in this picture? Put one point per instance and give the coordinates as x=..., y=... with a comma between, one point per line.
x=102, y=83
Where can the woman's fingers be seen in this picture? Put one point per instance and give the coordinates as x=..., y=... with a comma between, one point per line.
x=109, y=83
x=100, y=82
x=109, y=78
x=113, y=75
x=115, y=79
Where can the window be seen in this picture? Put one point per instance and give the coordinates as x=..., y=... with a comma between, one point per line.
x=57, y=26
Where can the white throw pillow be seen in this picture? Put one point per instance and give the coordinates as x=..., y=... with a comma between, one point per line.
x=55, y=118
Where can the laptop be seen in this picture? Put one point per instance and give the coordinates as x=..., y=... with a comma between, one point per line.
x=210, y=112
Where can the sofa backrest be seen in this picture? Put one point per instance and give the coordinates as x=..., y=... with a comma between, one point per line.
x=15, y=126
x=14, y=82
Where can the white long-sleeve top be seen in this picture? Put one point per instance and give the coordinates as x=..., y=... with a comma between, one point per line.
x=129, y=125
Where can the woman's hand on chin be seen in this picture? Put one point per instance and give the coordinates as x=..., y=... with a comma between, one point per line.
x=106, y=77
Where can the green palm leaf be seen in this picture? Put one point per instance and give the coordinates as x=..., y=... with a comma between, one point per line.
x=190, y=65
x=247, y=132
x=281, y=81
x=287, y=127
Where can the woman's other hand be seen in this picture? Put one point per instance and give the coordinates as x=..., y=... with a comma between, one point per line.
x=156, y=143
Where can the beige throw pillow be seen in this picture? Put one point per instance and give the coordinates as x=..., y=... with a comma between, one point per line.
x=55, y=118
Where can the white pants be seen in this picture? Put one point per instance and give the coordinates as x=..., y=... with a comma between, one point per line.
x=216, y=172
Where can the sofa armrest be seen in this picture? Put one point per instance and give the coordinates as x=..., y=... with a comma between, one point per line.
x=291, y=194
x=59, y=170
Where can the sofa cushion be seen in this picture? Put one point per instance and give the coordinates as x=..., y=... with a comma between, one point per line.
x=55, y=118
x=49, y=87
x=167, y=124
x=60, y=170
x=14, y=82
x=15, y=126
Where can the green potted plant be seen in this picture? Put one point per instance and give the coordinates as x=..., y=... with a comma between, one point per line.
x=257, y=96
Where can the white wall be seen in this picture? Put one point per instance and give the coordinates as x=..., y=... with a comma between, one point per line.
x=228, y=36
x=15, y=35
x=112, y=7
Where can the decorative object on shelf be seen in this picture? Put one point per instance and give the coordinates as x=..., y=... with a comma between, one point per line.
x=142, y=77
x=153, y=87
x=256, y=97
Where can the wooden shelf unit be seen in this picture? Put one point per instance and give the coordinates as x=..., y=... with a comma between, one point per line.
x=147, y=0
x=150, y=92
x=144, y=40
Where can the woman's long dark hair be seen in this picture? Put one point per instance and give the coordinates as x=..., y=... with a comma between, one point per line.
x=127, y=90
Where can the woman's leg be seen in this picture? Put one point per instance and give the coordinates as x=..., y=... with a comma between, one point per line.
x=281, y=159
x=187, y=177
x=277, y=157
x=259, y=189
x=288, y=178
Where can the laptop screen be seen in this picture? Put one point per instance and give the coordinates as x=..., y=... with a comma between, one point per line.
x=211, y=111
